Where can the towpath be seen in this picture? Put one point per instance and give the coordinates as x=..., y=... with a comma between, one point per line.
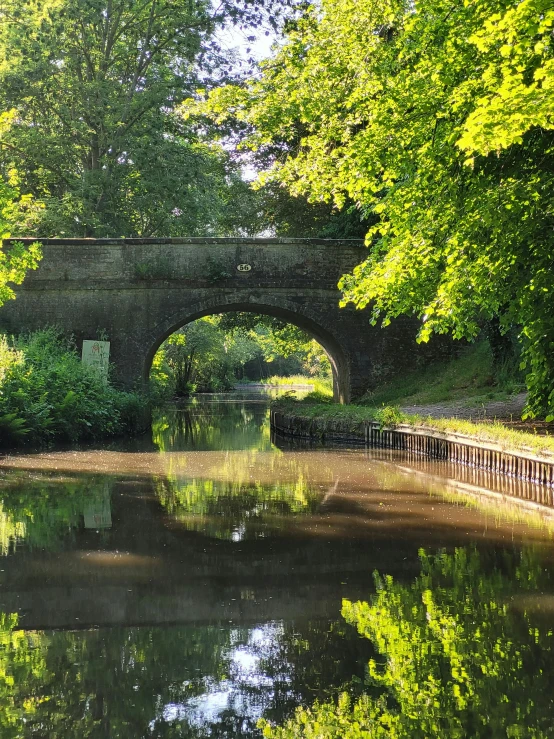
x=505, y=410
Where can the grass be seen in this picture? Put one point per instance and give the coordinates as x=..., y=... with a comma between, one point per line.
x=470, y=377
x=391, y=416
x=320, y=385
x=494, y=432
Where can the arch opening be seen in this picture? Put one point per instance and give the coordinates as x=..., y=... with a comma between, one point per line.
x=328, y=342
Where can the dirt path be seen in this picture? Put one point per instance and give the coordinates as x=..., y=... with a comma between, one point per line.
x=508, y=412
x=505, y=410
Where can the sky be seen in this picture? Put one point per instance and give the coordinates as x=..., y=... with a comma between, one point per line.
x=233, y=38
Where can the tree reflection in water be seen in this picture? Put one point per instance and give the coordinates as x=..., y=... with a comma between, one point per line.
x=219, y=424
x=235, y=510
x=456, y=652
x=230, y=502
x=456, y=658
x=192, y=682
x=46, y=512
x=449, y=656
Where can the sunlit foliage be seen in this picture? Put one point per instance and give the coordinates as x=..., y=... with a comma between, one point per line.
x=211, y=354
x=435, y=118
x=15, y=211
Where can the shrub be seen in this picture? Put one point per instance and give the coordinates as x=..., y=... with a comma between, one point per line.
x=316, y=396
x=47, y=394
x=389, y=416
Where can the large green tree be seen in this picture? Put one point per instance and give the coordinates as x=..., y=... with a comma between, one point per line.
x=436, y=119
x=94, y=138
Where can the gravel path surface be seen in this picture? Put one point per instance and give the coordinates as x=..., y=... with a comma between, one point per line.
x=495, y=409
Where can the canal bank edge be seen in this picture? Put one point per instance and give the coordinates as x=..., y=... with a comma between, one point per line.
x=423, y=440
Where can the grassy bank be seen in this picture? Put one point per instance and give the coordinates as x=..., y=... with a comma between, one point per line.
x=391, y=416
x=472, y=376
x=48, y=395
x=319, y=384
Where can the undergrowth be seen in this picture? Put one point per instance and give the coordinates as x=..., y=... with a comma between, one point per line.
x=47, y=395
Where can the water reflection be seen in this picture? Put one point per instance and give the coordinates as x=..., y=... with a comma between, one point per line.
x=189, y=584
x=234, y=510
x=456, y=658
x=234, y=498
x=241, y=425
x=45, y=512
x=209, y=680
x=451, y=649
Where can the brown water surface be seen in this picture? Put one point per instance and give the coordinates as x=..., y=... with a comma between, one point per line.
x=188, y=583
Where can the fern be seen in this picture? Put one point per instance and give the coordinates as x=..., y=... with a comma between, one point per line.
x=12, y=428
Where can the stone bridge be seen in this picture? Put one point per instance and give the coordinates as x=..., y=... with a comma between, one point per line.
x=136, y=292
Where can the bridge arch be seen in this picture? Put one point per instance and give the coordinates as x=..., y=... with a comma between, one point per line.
x=286, y=313
x=136, y=292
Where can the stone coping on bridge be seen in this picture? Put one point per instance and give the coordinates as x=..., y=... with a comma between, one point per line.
x=200, y=240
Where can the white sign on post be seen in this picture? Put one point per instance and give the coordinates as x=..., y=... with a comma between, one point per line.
x=97, y=354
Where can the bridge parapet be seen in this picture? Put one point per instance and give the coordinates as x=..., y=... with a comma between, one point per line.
x=198, y=262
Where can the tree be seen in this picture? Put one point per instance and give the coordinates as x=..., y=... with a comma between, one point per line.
x=517, y=82
x=210, y=354
x=94, y=84
x=420, y=114
x=277, y=339
x=15, y=258
x=202, y=356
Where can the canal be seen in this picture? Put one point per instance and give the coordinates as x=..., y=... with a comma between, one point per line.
x=191, y=582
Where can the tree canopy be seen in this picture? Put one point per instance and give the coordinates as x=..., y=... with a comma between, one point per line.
x=94, y=137
x=436, y=119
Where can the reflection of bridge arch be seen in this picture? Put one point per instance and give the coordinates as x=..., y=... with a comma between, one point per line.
x=286, y=311
x=136, y=292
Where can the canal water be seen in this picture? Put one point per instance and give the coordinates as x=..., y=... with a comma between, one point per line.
x=189, y=583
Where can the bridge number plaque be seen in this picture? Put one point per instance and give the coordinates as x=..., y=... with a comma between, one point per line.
x=244, y=267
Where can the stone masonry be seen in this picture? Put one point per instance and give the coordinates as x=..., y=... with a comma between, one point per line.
x=136, y=292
